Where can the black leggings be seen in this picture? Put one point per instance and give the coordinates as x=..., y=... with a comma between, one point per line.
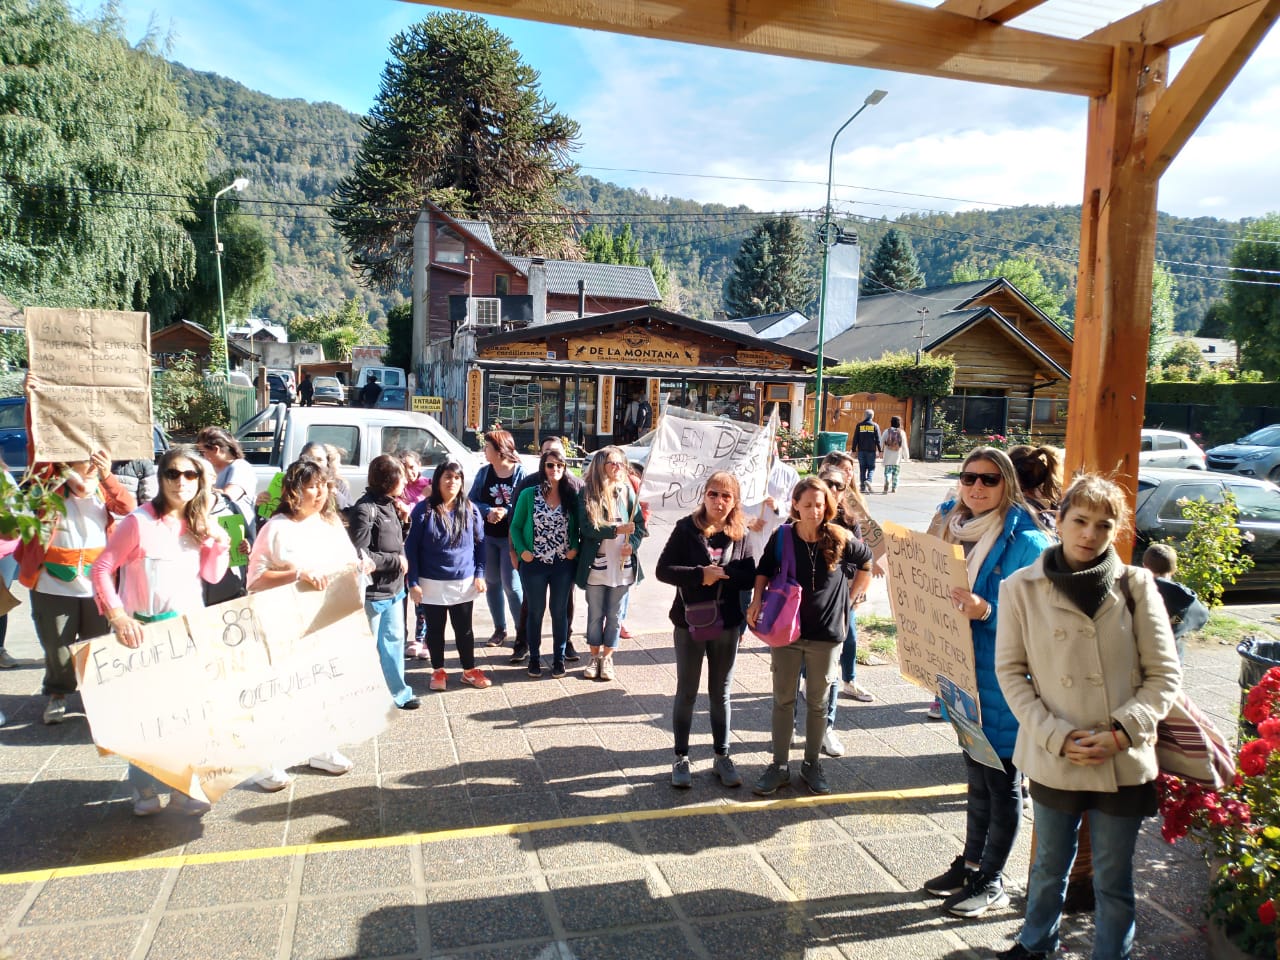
x=460, y=616
x=994, y=811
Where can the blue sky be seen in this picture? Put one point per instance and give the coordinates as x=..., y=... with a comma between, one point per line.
x=746, y=124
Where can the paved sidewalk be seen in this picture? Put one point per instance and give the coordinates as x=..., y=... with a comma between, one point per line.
x=535, y=820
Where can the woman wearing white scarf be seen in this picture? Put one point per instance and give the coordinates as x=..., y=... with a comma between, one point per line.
x=999, y=534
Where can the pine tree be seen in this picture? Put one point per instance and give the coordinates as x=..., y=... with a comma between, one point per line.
x=893, y=266
x=459, y=121
x=769, y=273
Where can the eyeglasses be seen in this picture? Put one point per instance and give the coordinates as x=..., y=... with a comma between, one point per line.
x=717, y=495
x=968, y=478
x=615, y=463
x=835, y=485
x=552, y=465
x=172, y=474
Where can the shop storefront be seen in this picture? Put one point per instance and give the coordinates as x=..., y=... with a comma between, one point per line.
x=579, y=378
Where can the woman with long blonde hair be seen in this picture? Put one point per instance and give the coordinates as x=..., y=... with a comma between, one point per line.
x=611, y=527
x=833, y=570
x=706, y=561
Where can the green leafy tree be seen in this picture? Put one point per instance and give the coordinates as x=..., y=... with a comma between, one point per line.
x=95, y=154
x=1211, y=557
x=400, y=336
x=770, y=273
x=183, y=399
x=1254, y=302
x=1216, y=322
x=600, y=245
x=1163, y=311
x=337, y=331
x=459, y=120
x=1024, y=273
x=1185, y=353
x=893, y=266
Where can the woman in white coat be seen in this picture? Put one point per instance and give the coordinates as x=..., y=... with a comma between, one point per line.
x=1086, y=660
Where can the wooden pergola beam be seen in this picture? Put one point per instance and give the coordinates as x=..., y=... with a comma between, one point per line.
x=1217, y=58
x=1167, y=23
x=879, y=34
x=993, y=11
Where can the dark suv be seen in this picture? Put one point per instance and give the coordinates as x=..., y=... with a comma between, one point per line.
x=279, y=388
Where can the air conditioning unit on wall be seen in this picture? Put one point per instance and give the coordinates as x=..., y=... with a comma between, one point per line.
x=485, y=313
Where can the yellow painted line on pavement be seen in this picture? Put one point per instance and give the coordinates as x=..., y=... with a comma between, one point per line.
x=494, y=830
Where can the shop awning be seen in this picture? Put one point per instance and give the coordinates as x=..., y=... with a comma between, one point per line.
x=570, y=368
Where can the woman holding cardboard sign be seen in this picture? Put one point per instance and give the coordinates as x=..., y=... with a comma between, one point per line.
x=162, y=551
x=999, y=534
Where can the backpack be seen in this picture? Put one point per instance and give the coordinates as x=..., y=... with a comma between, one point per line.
x=892, y=439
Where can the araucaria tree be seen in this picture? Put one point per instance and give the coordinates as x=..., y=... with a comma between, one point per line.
x=459, y=121
x=770, y=273
x=95, y=154
x=893, y=266
x=1253, y=303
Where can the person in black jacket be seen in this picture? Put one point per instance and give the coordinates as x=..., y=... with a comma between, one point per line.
x=706, y=561
x=376, y=531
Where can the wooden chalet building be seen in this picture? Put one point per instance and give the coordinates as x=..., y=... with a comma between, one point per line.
x=169, y=343
x=1013, y=364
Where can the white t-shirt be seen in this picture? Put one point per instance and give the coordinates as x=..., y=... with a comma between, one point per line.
x=240, y=473
x=609, y=569
x=313, y=545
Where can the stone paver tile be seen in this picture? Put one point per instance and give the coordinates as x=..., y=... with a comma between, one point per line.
x=243, y=934
x=96, y=897
x=483, y=744
x=616, y=797
x=244, y=881
x=831, y=870
x=911, y=864
x=335, y=826
x=778, y=936
x=369, y=926
x=470, y=914
x=316, y=791
x=994, y=930
x=427, y=810
x=532, y=950
x=713, y=885
x=417, y=756
x=566, y=847
x=880, y=920
x=110, y=941
x=651, y=943
x=218, y=838
x=784, y=825
x=685, y=835
x=529, y=806
x=607, y=897
x=351, y=870
x=11, y=895
x=472, y=858
x=495, y=777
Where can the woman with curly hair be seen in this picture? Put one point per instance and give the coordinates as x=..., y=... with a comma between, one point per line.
x=833, y=569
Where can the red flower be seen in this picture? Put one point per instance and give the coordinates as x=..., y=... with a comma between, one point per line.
x=1253, y=756
x=1269, y=729
x=1267, y=912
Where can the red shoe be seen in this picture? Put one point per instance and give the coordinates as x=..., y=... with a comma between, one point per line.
x=475, y=677
x=624, y=633
x=439, y=679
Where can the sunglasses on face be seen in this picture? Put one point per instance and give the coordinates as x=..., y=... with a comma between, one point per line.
x=174, y=474
x=835, y=485
x=615, y=463
x=718, y=495
x=552, y=465
x=968, y=478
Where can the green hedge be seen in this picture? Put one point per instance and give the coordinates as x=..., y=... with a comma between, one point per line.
x=1242, y=394
x=896, y=374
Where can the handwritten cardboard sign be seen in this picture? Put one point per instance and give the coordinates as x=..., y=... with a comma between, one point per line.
x=686, y=452
x=210, y=699
x=91, y=371
x=933, y=637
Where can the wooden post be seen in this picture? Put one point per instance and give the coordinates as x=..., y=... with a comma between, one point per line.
x=1113, y=291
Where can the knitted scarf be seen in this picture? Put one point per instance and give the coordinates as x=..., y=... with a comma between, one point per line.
x=1085, y=588
x=981, y=531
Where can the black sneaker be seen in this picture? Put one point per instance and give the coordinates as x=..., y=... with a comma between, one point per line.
x=1019, y=952
x=535, y=668
x=775, y=775
x=570, y=654
x=557, y=669
x=519, y=654
x=814, y=778
x=953, y=881
x=984, y=891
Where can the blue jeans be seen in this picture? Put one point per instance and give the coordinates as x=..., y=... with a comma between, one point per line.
x=994, y=814
x=501, y=581
x=386, y=620
x=866, y=466
x=540, y=579
x=603, y=620
x=1113, y=841
x=721, y=654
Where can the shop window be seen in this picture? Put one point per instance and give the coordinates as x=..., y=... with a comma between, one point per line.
x=501, y=285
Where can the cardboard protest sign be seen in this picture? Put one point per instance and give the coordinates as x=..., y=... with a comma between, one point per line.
x=686, y=452
x=933, y=637
x=962, y=711
x=210, y=699
x=873, y=537
x=91, y=376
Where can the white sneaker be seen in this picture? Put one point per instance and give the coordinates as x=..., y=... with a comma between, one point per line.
x=274, y=780
x=55, y=711
x=831, y=744
x=935, y=710
x=606, y=668
x=857, y=691
x=189, y=805
x=331, y=762
x=592, y=669
x=7, y=660
x=146, y=803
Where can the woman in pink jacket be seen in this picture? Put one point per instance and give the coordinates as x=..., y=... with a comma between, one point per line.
x=162, y=551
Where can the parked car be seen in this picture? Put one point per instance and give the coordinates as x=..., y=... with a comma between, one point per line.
x=1167, y=448
x=240, y=379
x=394, y=384
x=1255, y=455
x=328, y=390
x=274, y=437
x=1159, y=515
x=13, y=434
x=278, y=388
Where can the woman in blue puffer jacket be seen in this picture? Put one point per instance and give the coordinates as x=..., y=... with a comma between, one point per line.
x=999, y=534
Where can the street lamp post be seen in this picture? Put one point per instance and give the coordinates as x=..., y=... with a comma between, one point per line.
x=829, y=235
x=237, y=185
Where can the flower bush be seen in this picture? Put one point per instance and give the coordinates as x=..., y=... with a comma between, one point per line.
x=1239, y=827
x=794, y=444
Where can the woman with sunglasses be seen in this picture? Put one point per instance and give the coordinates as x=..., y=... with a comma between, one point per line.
x=445, y=550
x=162, y=551
x=544, y=535
x=999, y=535
x=612, y=527
x=305, y=543
x=235, y=476
x=705, y=560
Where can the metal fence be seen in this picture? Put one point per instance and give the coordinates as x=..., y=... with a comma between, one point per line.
x=243, y=400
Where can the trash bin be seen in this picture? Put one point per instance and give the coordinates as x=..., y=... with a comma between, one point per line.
x=933, y=445
x=1257, y=656
x=828, y=441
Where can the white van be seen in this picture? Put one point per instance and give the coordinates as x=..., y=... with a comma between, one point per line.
x=394, y=382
